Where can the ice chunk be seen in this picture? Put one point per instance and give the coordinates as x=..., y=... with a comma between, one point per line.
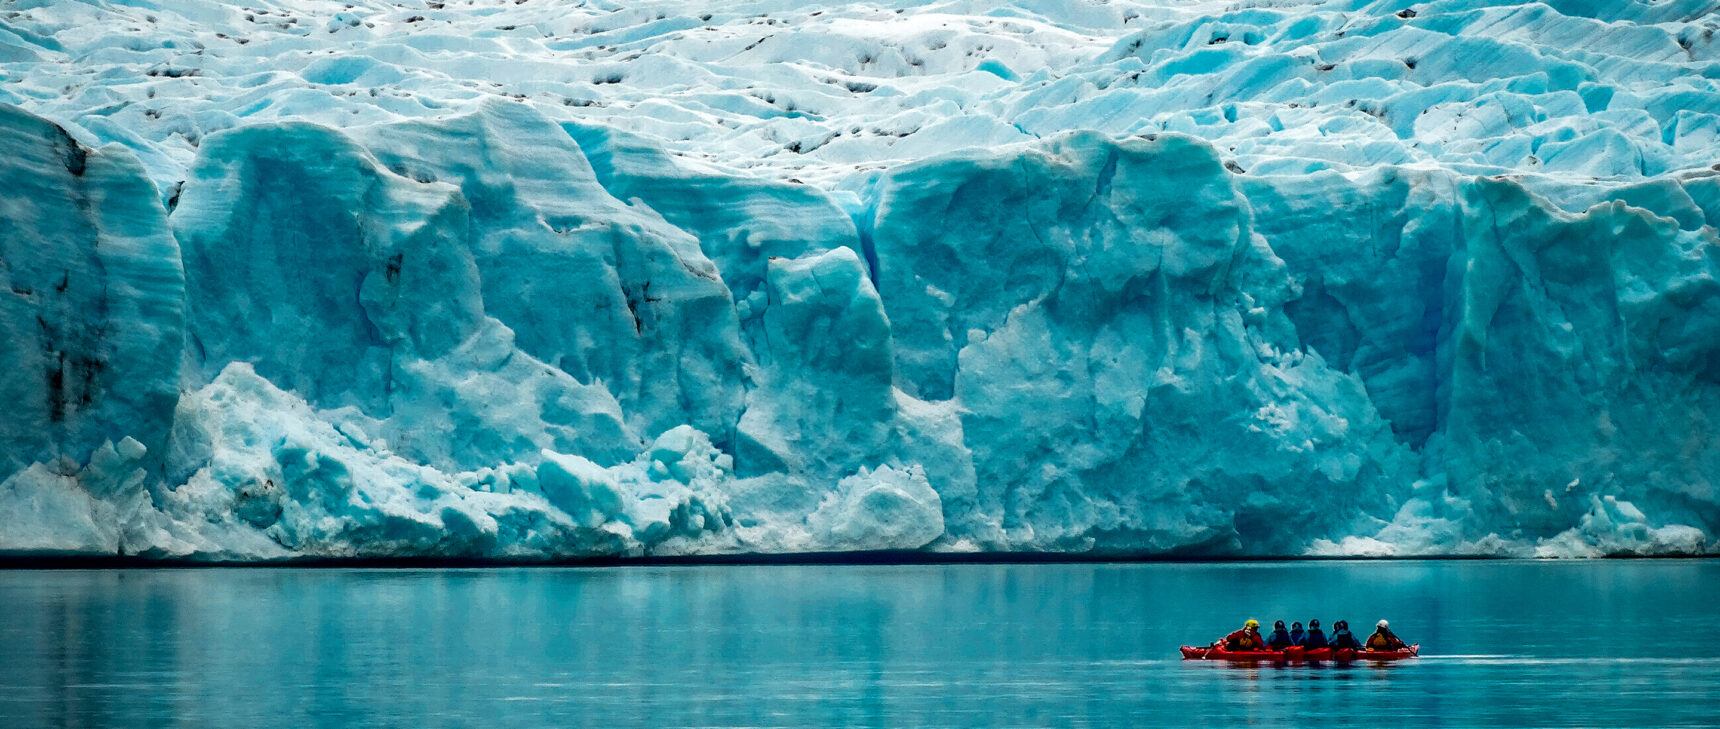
x=1613, y=527
x=46, y=513
x=887, y=508
x=579, y=487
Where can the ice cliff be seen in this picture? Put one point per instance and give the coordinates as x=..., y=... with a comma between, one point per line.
x=524, y=280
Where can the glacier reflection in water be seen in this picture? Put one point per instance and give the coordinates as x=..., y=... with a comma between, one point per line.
x=1068, y=645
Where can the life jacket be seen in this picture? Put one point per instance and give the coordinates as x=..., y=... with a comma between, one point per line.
x=1298, y=637
x=1316, y=639
x=1279, y=639
x=1343, y=639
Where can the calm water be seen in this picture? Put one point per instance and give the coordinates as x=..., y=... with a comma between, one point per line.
x=1507, y=644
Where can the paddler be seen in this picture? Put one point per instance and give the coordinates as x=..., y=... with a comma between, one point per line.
x=1298, y=636
x=1316, y=637
x=1280, y=637
x=1341, y=637
x=1246, y=639
x=1384, y=640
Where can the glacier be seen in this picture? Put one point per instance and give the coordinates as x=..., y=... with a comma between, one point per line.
x=525, y=280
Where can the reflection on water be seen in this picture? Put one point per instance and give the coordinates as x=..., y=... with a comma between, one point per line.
x=1506, y=644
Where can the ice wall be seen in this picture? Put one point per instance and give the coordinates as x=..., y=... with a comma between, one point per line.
x=1131, y=280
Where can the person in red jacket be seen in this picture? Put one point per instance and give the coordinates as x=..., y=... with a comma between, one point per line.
x=1246, y=639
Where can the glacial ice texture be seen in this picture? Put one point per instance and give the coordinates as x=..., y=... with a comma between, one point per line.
x=530, y=280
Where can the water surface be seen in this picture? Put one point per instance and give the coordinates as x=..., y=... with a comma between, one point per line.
x=1514, y=644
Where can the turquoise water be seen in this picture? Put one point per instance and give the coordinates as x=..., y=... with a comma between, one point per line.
x=1515, y=644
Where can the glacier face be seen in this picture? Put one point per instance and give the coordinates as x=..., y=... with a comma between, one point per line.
x=515, y=280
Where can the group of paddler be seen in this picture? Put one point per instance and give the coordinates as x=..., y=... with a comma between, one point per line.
x=1249, y=638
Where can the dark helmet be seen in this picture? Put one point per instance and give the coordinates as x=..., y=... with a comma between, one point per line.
x=1342, y=625
x=1278, y=624
x=1296, y=626
x=1315, y=623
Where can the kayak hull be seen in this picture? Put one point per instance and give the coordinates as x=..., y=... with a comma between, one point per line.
x=1296, y=654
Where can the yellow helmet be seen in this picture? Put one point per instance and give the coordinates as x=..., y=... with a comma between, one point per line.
x=1252, y=623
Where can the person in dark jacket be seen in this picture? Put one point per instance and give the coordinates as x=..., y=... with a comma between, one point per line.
x=1384, y=640
x=1280, y=638
x=1316, y=637
x=1298, y=636
x=1341, y=638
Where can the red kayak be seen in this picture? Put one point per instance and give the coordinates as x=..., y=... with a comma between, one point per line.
x=1295, y=653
